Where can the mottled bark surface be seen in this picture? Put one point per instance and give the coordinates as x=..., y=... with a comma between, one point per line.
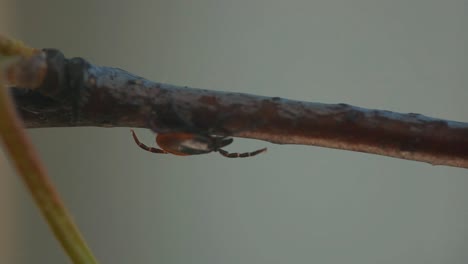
x=77, y=93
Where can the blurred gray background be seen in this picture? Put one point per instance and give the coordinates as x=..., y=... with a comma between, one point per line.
x=295, y=204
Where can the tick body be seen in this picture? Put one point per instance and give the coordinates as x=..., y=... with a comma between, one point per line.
x=185, y=144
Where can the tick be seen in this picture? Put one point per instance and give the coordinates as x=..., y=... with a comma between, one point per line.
x=186, y=144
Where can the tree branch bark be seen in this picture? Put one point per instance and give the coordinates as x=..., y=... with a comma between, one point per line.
x=77, y=93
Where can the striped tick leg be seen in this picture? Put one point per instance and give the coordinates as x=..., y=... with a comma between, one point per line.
x=241, y=155
x=143, y=146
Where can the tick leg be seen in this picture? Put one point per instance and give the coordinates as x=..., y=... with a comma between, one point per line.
x=241, y=155
x=143, y=146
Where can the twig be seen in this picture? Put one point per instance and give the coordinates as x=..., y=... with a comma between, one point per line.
x=77, y=93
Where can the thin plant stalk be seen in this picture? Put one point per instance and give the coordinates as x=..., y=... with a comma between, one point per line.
x=29, y=167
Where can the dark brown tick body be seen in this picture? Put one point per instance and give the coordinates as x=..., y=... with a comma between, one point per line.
x=185, y=144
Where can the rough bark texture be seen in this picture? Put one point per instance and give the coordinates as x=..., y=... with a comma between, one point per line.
x=77, y=93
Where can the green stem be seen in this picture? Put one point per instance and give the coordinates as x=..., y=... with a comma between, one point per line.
x=33, y=173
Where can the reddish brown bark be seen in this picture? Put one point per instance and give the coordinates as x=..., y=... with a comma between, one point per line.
x=76, y=93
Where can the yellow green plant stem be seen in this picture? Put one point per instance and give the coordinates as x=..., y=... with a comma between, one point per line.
x=33, y=173
x=13, y=47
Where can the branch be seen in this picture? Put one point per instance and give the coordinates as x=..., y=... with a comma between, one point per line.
x=77, y=93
